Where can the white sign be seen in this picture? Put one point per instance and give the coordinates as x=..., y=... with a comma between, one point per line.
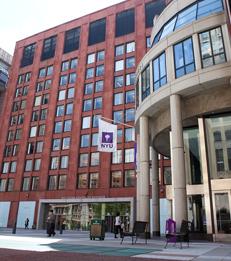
x=107, y=138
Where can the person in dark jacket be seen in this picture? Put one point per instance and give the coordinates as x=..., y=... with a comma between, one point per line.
x=51, y=224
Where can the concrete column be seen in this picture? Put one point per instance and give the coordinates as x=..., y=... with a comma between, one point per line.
x=155, y=193
x=177, y=162
x=144, y=205
x=138, y=177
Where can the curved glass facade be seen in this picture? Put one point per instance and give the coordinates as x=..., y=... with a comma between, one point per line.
x=191, y=13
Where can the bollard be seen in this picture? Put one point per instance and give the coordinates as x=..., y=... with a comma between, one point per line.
x=14, y=228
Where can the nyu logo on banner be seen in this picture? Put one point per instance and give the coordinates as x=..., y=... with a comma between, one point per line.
x=107, y=139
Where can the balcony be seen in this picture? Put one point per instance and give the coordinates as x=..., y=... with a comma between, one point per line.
x=3, y=78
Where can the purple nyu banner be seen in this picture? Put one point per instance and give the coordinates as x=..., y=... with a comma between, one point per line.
x=107, y=138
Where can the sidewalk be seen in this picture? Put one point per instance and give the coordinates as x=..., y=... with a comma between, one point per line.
x=79, y=242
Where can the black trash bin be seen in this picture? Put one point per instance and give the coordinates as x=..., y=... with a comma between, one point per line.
x=97, y=229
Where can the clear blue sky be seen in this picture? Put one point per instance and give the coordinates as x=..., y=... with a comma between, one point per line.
x=22, y=18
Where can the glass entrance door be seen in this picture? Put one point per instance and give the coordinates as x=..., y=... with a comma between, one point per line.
x=222, y=214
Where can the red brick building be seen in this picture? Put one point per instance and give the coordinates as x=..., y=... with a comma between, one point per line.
x=62, y=80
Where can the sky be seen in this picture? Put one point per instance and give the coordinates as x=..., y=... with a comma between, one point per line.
x=22, y=18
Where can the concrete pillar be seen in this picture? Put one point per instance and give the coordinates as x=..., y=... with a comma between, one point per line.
x=177, y=162
x=155, y=193
x=138, y=177
x=144, y=202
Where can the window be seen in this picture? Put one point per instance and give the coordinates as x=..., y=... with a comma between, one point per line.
x=26, y=184
x=2, y=185
x=117, y=157
x=42, y=129
x=50, y=70
x=212, y=47
x=94, y=180
x=35, y=183
x=10, y=185
x=90, y=58
x=95, y=121
x=99, y=70
x=43, y=114
x=167, y=176
x=42, y=72
x=130, y=62
x=10, y=136
x=58, y=127
x=207, y=7
x=52, y=183
x=100, y=56
x=129, y=134
x=82, y=181
x=119, y=65
x=56, y=144
x=119, y=50
x=72, y=78
x=62, y=95
x=151, y=10
x=83, y=160
x=130, y=96
x=94, y=140
x=88, y=88
x=70, y=93
x=98, y=103
x=64, y=162
x=5, y=167
x=129, y=115
x=71, y=42
x=28, y=165
x=20, y=79
x=40, y=86
x=65, y=66
x=37, y=100
x=130, y=79
x=74, y=63
x=118, y=116
x=118, y=81
x=159, y=71
x=90, y=73
x=54, y=162
x=119, y=135
x=69, y=108
x=39, y=146
x=30, y=148
x=87, y=105
x=129, y=178
x=99, y=86
x=35, y=116
x=63, y=80
x=125, y=22
x=129, y=156
x=86, y=122
x=28, y=55
x=145, y=82
x=130, y=47
x=33, y=131
x=186, y=16
x=97, y=31
x=18, y=134
x=184, y=58
x=85, y=140
x=118, y=98
x=60, y=110
x=116, y=179
x=37, y=164
x=66, y=143
x=62, y=181
x=23, y=105
x=48, y=48
x=67, y=125
x=20, y=119
x=15, y=106
x=94, y=158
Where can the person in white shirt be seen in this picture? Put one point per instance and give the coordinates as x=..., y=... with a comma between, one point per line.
x=118, y=225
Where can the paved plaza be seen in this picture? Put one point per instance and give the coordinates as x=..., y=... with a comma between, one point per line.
x=78, y=245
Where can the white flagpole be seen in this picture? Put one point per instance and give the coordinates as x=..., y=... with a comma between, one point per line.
x=119, y=122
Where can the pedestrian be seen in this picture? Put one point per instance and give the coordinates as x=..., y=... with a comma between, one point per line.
x=27, y=223
x=118, y=225
x=51, y=224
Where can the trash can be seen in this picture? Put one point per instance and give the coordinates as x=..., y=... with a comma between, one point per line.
x=97, y=229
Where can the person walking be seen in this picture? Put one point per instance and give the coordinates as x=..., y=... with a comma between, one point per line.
x=118, y=225
x=51, y=224
x=27, y=223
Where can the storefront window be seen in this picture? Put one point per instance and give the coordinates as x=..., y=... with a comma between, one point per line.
x=219, y=146
x=192, y=156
